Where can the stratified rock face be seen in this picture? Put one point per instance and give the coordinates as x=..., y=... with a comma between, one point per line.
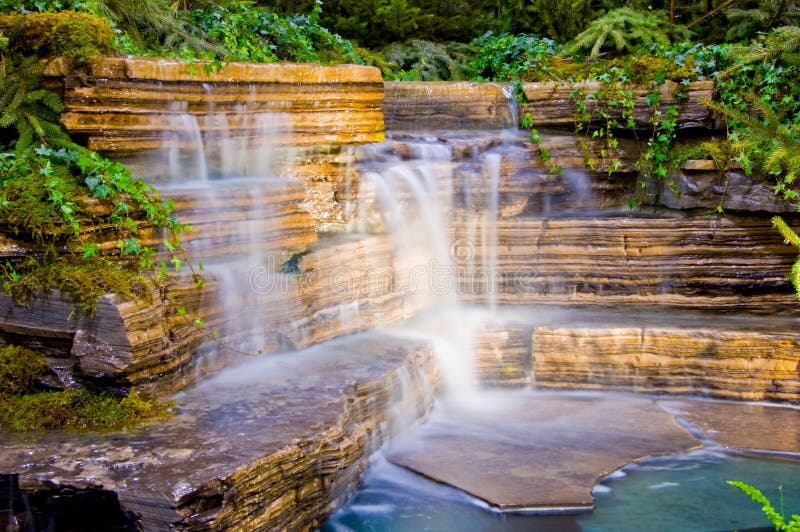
x=729, y=263
x=245, y=218
x=555, y=104
x=339, y=286
x=503, y=354
x=430, y=106
x=698, y=187
x=134, y=108
x=733, y=364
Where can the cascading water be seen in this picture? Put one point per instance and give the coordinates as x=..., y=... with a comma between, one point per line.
x=222, y=169
x=411, y=190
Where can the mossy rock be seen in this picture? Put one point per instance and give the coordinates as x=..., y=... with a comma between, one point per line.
x=78, y=36
x=78, y=408
x=83, y=279
x=21, y=370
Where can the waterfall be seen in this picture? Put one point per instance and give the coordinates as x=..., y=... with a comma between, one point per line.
x=489, y=230
x=224, y=170
x=412, y=198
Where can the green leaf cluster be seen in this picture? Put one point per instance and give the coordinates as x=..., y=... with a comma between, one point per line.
x=626, y=29
x=29, y=114
x=777, y=519
x=251, y=33
x=506, y=57
x=48, y=196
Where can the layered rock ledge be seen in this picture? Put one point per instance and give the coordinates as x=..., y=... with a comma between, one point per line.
x=272, y=444
x=683, y=353
x=300, y=115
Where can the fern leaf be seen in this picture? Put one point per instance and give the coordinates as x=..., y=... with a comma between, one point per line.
x=787, y=232
x=601, y=39
x=794, y=276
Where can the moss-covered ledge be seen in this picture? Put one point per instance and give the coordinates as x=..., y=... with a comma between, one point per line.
x=554, y=104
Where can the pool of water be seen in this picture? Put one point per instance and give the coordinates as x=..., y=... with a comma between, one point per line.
x=685, y=492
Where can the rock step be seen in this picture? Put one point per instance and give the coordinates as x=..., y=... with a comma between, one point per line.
x=730, y=263
x=752, y=358
x=274, y=443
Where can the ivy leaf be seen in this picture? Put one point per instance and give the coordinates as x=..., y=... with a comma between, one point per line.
x=90, y=249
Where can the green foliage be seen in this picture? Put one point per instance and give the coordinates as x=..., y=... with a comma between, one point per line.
x=507, y=57
x=77, y=408
x=790, y=237
x=628, y=30
x=746, y=18
x=84, y=279
x=20, y=370
x=249, y=33
x=776, y=518
x=67, y=33
x=47, y=196
x=562, y=19
x=29, y=115
x=425, y=61
x=24, y=407
x=781, y=44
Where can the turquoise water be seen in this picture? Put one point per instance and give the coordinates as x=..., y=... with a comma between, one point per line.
x=686, y=492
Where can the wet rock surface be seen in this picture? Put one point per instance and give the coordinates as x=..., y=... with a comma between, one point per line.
x=682, y=352
x=544, y=451
x=750, y=426
x=539, y=451
x=272, y=443
x=553, y=104
x=732, y=190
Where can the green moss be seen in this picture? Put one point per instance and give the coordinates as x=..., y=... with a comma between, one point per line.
x=20, y=370
x=722, y=152
x=68, y=33
x=83, y=279
x=636, y=69
x=77, y=409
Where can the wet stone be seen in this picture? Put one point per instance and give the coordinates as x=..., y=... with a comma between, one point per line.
x=745, y=426
x=242, y=441
x=539, y=451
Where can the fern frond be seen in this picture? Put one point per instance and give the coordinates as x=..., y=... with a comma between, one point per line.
x=786, y=232
x=601, y=39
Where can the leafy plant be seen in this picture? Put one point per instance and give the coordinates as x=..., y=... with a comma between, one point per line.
x=776, y=518
x=506, y=57
x=32, y=113
x=627, y=29
x=428, y=61
x=48, y=196
x=253, y=33
x=790, y=237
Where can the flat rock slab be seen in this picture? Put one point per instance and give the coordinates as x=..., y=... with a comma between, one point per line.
x=252, y=445
x=539, y=451
x=746, y=426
